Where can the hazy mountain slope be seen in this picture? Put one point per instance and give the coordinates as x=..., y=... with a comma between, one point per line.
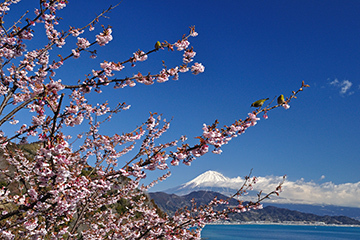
x=169, y=203
x=216, y=182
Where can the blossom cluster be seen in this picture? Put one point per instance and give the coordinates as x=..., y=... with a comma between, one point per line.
x=67, y=186
x=105, y=37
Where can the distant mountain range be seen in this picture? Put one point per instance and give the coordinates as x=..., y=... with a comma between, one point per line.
x=321, y=210
x=212, y=181
x=169, y=203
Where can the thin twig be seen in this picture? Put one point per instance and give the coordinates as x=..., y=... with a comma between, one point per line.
x=56, y=114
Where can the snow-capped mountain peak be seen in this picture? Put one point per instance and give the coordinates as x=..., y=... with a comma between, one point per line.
x=210, y=180
x=212, y=177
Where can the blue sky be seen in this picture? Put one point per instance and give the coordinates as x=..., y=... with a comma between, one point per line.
x=250, y=50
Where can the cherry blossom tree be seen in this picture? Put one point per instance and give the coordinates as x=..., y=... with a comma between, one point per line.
x=52, y=191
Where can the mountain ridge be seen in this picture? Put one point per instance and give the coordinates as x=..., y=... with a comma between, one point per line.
x=217, y=182
x=169, y=203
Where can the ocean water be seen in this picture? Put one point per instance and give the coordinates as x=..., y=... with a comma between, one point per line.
x=279, y=232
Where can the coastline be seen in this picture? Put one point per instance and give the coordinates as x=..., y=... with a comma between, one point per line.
x=278, y=230
x=289, y=223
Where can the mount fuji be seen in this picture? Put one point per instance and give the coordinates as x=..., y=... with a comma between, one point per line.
x=208, y=181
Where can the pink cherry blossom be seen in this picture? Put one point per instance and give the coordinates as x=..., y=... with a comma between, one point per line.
x=13, y=122
x=83, y=43
x=105, y=37
x=76, y=54
x=140, y=56
x=265, y=116
x=163, y=76
x=189, y=54
x=181, y=45
x=286, y=106
x=76, y=32
x=67, y=185
x=197, y=68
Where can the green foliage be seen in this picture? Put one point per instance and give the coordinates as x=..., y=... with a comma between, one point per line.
x=30, y=149
x=3, y=184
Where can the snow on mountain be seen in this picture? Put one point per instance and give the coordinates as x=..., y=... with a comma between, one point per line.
x=208, y=178
x=210, y=181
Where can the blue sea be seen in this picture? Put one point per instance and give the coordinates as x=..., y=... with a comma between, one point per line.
x=279, y=232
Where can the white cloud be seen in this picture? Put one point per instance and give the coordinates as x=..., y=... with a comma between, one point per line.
x=335, y=82
x=322, y=177
x=302, y=192
x=347, y=194
x=344, y=85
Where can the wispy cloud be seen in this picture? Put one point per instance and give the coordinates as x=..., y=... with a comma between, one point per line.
x=344, y=86
x=347, y=194
x=300, y=191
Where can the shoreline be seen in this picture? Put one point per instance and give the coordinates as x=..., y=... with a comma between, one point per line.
x=283, y=224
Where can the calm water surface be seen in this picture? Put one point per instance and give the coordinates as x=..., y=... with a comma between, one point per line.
x=279, y=232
